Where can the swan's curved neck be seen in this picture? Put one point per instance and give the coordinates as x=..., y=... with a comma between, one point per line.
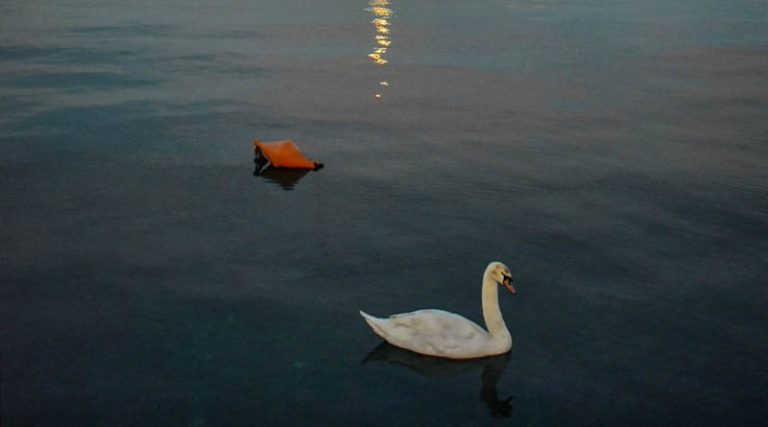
x=491, y=312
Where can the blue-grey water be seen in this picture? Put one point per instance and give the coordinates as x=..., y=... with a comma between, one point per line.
x=614, y=154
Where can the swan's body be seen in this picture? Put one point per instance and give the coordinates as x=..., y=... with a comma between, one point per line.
x=443, y=334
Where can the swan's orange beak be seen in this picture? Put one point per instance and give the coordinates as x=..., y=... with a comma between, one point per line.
x=508, y=284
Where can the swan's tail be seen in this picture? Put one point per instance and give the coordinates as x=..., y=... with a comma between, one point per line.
x=373, y=322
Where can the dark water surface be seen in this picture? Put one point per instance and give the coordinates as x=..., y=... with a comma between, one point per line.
x=614, y=154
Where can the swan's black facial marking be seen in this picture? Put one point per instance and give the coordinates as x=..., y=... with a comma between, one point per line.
x=504, y=277
x=507, y=282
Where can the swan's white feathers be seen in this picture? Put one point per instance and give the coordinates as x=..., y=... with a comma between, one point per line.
x=444, y=334
x=431, y=332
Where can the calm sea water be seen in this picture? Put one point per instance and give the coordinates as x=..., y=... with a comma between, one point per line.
x=613, y=154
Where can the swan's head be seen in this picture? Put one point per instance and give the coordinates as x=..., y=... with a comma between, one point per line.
x=501, y=274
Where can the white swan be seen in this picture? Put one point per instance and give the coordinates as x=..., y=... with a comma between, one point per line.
x=443, y=334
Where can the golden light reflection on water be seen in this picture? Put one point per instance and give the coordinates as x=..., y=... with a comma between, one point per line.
x=382, y=19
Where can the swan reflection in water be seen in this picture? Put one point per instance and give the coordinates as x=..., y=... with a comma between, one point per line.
x=285, y=178
x=434, y=367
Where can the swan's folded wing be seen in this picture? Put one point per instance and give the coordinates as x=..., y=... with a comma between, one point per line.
x=436, y=324
x=432, y=332
x=433, y=319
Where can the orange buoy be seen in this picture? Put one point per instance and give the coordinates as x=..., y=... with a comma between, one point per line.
x=281, y=154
